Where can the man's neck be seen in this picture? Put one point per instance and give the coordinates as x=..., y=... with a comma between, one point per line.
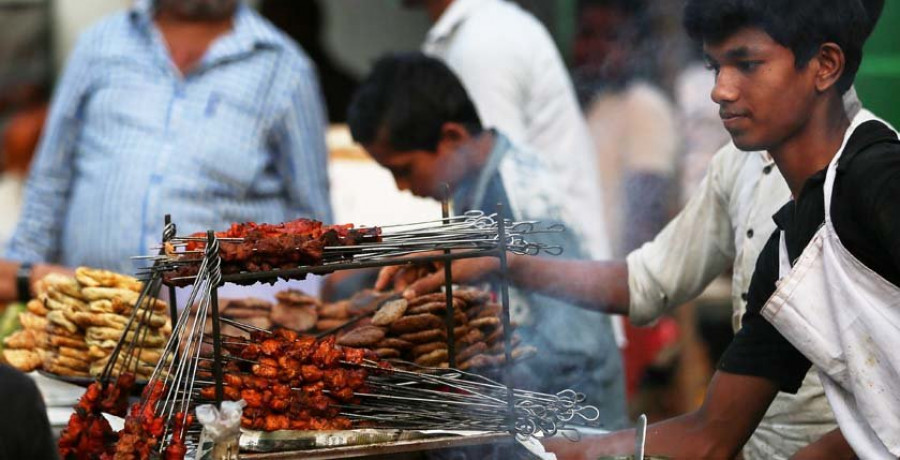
x=436, y=8
x=188, y=39
x=814, y=146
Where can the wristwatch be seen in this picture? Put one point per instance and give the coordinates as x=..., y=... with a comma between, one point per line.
x=23, y=282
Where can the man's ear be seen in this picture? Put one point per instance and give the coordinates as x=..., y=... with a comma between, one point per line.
x=452, y=136
x=830, y=59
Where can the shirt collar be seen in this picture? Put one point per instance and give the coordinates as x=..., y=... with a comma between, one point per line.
x=250, y=30
x=453, y=16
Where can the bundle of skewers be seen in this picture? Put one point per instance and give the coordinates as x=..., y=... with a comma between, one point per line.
x=250, y=247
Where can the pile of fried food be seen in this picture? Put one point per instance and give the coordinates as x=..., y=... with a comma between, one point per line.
x=72, y=326
x=256, y=247
x=414, y=330
x=289, y=381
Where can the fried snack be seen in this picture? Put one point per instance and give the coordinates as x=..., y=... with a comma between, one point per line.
x=430, y=335
x=65, y=284
x=432, y=359
x=489, y=321
x=115, y=321
x=415, y=323
x=387, y=353
x=24, y=338
x=70, y=362
x=362, y=337
x=474, y=335
x=36, y=307
x=429, y=347
x=58, y=318
x=99, y=293
x=471, y=350
x=437, y=307
x=92, y=277
x=471, y=296
x=23, y=360
x=494, y=336
x=66, y=299
x=436, y=297
x=298, y=318
x=60, y=341
x=328, y=324
x=76, y=353
x=29, y=320
x=337, y=310
x=393, y=342
x=389, y=312
x=55, y=329
x=296, y=297
x=96, y=352
x=103, y=336
x=64, y=371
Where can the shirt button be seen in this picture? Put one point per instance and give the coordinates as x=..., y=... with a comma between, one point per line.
x=767, y=169
x=750, y=233
x=744, y=296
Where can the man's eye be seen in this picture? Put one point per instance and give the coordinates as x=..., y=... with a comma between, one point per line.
x=748, y=66
x=712, y=66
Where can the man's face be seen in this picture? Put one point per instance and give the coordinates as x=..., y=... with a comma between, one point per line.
x=763, y=97
x=200, y=9
x=422, y=172
x=601, y=44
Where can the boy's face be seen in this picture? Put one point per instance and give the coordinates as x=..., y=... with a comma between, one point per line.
x=763, y=97
x=422, y=172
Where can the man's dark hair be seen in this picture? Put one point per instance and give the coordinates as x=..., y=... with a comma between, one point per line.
x=800, y=25
x=628, y=7
x=411, y=96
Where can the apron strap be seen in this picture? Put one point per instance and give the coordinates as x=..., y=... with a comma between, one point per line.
x=831, y=173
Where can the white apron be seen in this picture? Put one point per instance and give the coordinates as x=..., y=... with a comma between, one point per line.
x=845, y=319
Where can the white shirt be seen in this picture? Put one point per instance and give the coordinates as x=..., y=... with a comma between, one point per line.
x=727, y=222
x=514, y=74
x=619, y=123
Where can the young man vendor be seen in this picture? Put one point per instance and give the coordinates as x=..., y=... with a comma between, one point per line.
x=781, y=69
x=414, y=117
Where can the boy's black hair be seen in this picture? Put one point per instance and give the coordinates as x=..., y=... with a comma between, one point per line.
x=800, y=25
x=873, y=9
x=411, y=96
x=629, y=7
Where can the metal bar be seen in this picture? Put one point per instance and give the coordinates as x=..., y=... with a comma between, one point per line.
x=448, y=286
x=324, y=269
x=217, y=337
x=504, y=317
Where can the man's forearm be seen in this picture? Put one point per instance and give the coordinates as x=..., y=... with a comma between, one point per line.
x=596, y=285
x=832, y=445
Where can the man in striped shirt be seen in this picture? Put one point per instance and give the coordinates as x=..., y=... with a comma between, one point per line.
x=195, y=108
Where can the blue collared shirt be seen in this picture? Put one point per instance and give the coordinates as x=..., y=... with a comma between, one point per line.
x=129, y=139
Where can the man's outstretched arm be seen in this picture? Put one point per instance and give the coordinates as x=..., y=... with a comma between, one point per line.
x=733, y=407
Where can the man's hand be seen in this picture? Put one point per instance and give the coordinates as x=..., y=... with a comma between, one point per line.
x=413, y=283
x=832, y=446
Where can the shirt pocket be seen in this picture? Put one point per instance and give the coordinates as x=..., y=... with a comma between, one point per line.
x=229, y=135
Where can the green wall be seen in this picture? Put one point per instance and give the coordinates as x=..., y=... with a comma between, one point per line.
x=878, y=81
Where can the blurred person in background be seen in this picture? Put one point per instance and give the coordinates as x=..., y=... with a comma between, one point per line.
x=196, y=108
x=304, y=21
x=414, y=117
x=514, y=74
x=636, y=143
x=724, y=224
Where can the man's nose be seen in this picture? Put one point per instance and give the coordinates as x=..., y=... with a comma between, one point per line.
x=726, y=88
x=402, y=184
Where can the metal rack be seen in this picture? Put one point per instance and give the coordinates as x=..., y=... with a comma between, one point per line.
x=301, y=272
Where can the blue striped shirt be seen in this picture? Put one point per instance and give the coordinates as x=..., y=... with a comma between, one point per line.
x=129, y=139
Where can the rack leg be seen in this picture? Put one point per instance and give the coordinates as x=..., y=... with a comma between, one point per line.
x=449, y=312
x=217, y=337
x=504, y=298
